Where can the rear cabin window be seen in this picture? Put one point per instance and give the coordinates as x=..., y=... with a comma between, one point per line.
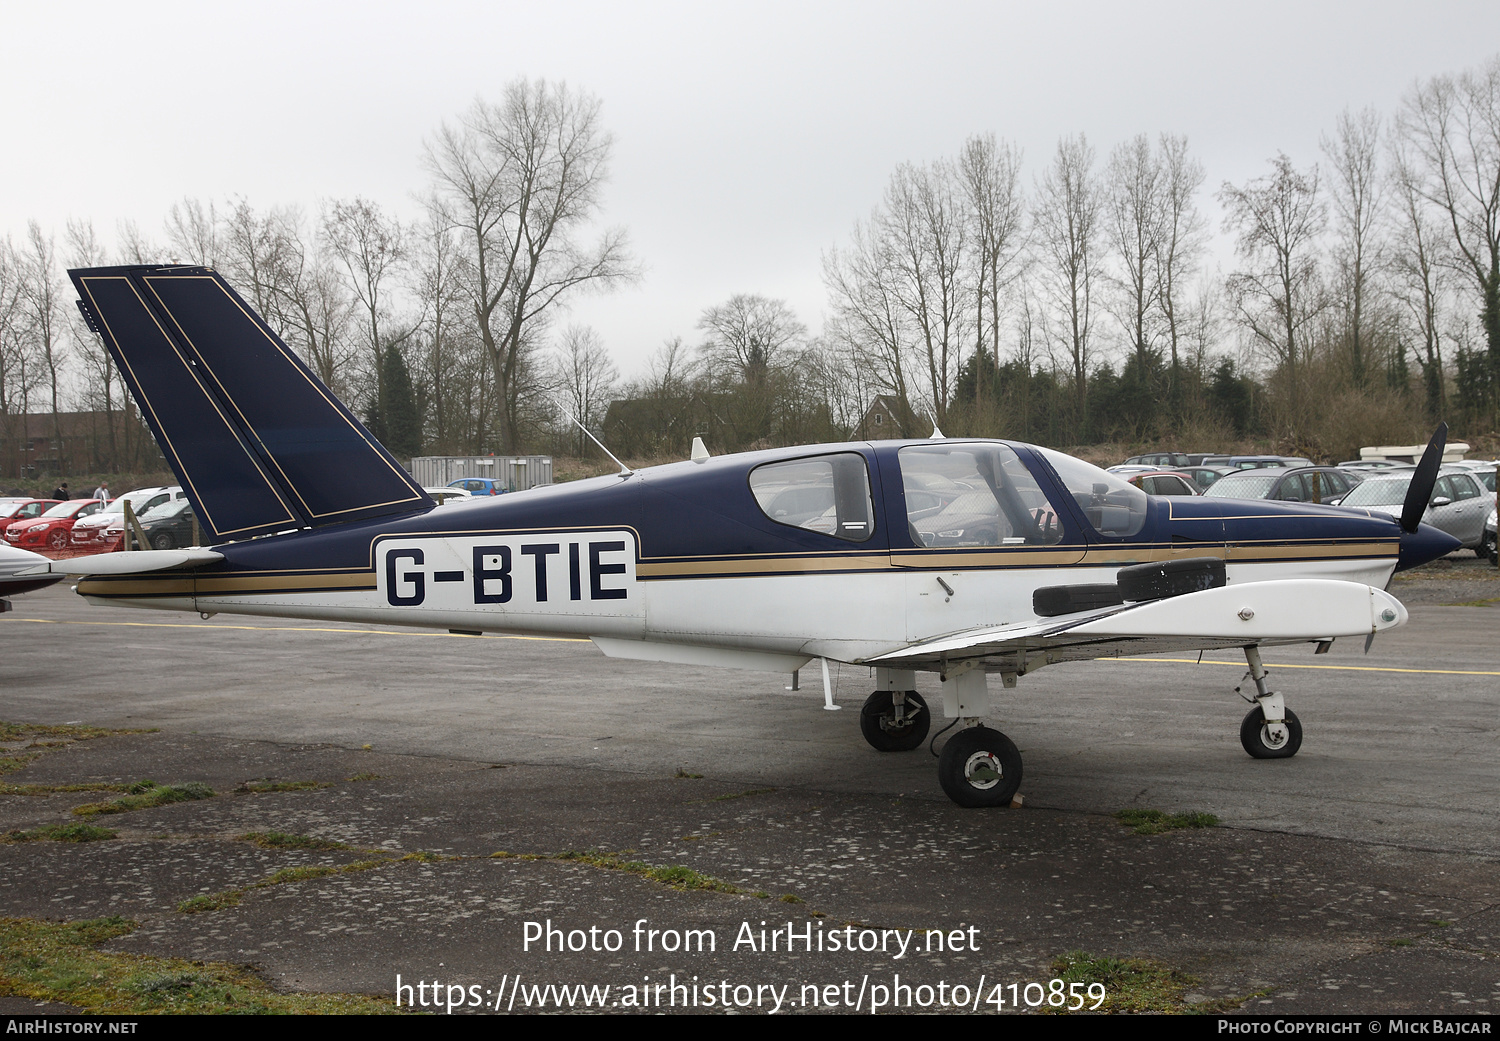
x=829, y=494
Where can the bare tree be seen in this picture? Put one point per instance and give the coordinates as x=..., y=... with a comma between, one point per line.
x=42, y=316
x=587, y=380
x=370, y=247
x=452, y=376
x=85, y=250
x=991, y=175
x=925, y=236
x=1277, y=293
x=193, y=233
x=1066, y=233
x=1420, y=275
x=1353, y=155
x=1452, y=125
x=749, y=334
x=1183, y=235
x=522, y=181
x=869, y=322
x=1133, y=226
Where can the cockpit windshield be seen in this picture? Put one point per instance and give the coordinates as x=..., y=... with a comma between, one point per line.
x=1112, y=506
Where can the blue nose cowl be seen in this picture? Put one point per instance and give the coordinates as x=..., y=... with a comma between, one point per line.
x=1425, y=544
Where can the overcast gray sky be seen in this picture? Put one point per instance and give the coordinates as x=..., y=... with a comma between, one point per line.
x=748, y=137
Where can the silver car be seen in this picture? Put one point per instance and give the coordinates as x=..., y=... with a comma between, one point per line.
x=1458, y=505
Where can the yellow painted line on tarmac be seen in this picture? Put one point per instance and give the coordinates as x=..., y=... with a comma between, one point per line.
x=308, y=629
x=1335, y=668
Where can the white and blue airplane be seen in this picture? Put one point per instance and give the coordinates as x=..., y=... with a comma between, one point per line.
x=967, y=558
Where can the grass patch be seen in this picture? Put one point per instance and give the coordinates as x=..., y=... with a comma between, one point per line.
x=1130, y=984
x=282, y=840
x=1155, y=822
x=231, y=897
x=146, y=794
x=205, y=902
x=365, y=777
x=678, y=877
x=1473, y=603
x=1402, y=941
x=282, y=786
x=60, y=833
x=60, y=733
x=11, y=763
x=57, y=789
x=52, y=961
x=684, y=774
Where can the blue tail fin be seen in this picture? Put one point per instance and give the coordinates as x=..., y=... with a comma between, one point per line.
x=257, y=441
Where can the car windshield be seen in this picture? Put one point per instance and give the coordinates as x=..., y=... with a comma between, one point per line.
x=8, y=509
x=1379, y=491
x=1242, y=486
x=65, y=509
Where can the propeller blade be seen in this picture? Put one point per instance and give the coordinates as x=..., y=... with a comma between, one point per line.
x=1420, y=492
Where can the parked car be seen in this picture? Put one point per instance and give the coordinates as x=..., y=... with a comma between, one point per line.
x=1160, y=460
x=448, y=494
x=22, y=509
x=1163, y=482
x=1321, y=484
x=1204, y=476
x=1253, y=462
x=104, y=532
x=170, y=525
x=54, y=528
x=480, y=485
x=1458, y=505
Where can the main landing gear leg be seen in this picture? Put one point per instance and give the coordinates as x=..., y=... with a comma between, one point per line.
x=978, y=766
x=1270, y=730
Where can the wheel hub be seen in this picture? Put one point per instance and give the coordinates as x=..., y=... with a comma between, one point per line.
x=1274, y=734
x=983, y=770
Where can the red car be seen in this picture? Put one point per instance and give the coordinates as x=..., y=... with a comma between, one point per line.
x=54, y=528
x=22, y=509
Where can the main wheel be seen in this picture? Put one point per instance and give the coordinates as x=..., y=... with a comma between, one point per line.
x=877, y=721
x=1257, y=739
x=980, y=767
x=162, y=540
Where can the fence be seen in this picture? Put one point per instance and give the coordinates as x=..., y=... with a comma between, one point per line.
x=516, y=472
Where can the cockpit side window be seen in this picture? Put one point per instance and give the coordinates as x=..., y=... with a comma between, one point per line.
x=974, y=495
x=829, y=494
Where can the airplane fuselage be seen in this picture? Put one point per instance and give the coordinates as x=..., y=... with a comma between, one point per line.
x=688, y=555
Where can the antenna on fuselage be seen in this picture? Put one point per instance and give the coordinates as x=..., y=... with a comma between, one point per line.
x=625, y=471
x=936, y=435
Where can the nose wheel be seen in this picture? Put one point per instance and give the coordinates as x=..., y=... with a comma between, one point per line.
x=1270, y=730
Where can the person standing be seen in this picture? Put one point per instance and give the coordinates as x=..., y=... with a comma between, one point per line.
x=102, y=492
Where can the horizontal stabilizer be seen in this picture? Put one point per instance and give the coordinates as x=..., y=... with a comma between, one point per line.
x=257, y=440
x=135, y=562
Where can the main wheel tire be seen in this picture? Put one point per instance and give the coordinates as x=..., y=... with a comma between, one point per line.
x=162, y=540
x=877, y=722
x=57, y=539
x=1254, y=736
x=980, y=767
